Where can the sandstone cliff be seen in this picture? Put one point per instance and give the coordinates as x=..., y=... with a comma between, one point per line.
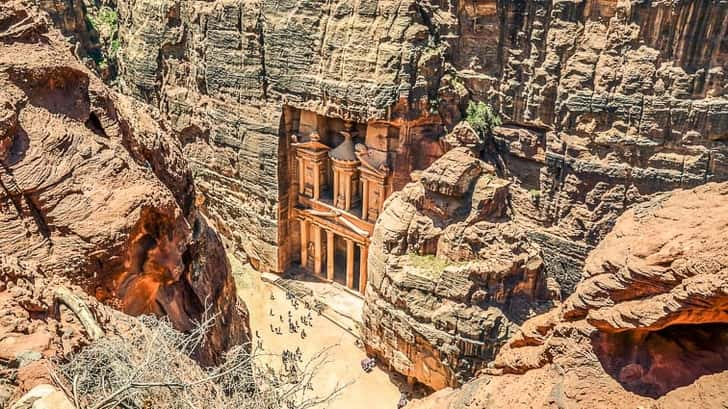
x=95, y=193
x=605, y=102
x=451, y=275
x=646, y=328
x=224, y=73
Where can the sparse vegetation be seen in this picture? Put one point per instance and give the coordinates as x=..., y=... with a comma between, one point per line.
x=482, y=117
x=428, y=263
x=104, y=22
x=150, y=366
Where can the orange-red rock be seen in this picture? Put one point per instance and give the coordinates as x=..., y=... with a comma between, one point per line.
x=647, y=328
x=95, y=192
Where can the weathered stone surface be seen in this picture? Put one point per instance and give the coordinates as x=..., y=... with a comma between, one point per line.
x=224, y=72
x=603, y=106
x=454, y=173
x=646, y=329
x=43, y=397
x=93, y=192
x=451, y=276
x=605, y=103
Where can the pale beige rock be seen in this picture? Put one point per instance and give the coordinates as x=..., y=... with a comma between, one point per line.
x=13, y=345
x=43, y=397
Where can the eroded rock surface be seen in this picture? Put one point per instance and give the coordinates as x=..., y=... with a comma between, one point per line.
x=648, y=327
x=225, y=71
x=605, y=102
x=451, y=275
x=95, y=191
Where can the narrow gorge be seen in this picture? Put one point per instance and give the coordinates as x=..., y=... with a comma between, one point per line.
x=480, y=204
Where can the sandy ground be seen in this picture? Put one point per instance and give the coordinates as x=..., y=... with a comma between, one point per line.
x=374, y=390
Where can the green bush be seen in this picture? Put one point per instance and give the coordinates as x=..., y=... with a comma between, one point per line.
x=482, y=117
x=115, y=46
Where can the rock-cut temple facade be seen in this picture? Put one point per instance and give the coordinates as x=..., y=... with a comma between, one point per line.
x=339, y=180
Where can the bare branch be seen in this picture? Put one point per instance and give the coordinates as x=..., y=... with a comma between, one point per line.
x=151, y=366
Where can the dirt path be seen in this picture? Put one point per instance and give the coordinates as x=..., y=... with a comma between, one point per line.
x=372, y=390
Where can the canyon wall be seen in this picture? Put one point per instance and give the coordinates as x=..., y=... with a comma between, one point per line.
x=646, y=328
x=607, y=102
x=95, y=193
x=604, y=102
x=224, y=72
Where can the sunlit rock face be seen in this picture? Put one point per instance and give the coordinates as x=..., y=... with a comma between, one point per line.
x=647, y=327
x=604, y=102
x=224, y=73
x=94, y=190
x=451, y=275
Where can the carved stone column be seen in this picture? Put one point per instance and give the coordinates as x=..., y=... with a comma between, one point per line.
x=316, y=181
x=365, y=199
x=317, y=253
x=364, y=252
x=301, y=172
x=330, y=255
x=304, y=242
x=349, y=263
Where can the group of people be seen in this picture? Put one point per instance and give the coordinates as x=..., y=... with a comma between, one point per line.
x=367, y=364
x=291, y=356
x=293, y=324
x=291, y=359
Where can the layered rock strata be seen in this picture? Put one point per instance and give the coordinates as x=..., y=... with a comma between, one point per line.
x=605, y=102
x=646, y=328
x=93, y=189
x=451, y=275
x=225, y=73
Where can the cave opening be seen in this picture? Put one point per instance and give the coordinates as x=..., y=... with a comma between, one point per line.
x=653, y=363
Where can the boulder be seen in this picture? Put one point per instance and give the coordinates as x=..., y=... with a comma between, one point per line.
x=43, y=397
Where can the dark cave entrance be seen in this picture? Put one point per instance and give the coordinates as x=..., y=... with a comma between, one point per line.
x=653, y=363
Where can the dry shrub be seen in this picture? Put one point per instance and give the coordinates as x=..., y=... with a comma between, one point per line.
x=149, y=366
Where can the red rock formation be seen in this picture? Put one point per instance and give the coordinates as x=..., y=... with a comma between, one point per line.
x=647, y=327
x=450, y=275
x=93, y=189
